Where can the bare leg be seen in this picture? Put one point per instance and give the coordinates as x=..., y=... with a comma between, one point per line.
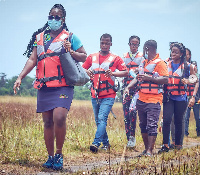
x=59, y=118
x=49, y=131
x=151, y=143
x=145, y=140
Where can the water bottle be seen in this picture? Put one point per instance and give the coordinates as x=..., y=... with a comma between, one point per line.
x=141, y=69
x=133, y=102
x=132, y=73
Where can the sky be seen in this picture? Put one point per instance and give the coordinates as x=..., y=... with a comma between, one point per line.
x=161, y=20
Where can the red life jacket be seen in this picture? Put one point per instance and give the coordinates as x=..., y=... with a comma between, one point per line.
x=131, y=64
x=150, y=87
x=102, y=85
x=174, y=86
x=49, y=70
x=190, y=89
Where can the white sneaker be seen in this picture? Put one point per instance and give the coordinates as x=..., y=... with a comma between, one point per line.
x=132, y=142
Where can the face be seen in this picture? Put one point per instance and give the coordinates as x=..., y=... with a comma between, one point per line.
x=105, y=44
x=134, y=44
x=176, y=54
x=187, y=55
x=57, y=13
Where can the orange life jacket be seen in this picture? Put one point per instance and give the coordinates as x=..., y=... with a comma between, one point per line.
x=174, y=86
x=102, y=85
x=49, y=70
x=131, y=64
x=150, y=87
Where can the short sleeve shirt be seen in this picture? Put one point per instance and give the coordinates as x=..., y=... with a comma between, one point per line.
x=118, y=63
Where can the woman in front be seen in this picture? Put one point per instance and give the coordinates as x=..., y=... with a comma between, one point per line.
x=54, y=97
x=176, y=103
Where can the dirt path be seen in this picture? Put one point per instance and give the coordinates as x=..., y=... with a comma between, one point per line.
x=128, y=156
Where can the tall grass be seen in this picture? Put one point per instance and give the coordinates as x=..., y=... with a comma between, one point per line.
x=22, y=143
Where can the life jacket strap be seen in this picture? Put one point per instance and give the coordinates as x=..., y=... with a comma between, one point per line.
x=41, y=57
x=129, y=66
x=98, y=72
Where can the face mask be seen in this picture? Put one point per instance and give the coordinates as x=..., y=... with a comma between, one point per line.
x=146, y=56
x=54, y=25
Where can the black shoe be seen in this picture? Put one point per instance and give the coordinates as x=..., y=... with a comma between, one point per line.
x=179, y=147
x=163, y=149
x=172, y=146
x=94, y=148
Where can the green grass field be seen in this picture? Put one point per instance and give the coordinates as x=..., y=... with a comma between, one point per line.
x=23, y=151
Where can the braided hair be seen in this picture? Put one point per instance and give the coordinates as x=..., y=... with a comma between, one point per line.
x=189, y=53
x=182, y=49
x=44, y=28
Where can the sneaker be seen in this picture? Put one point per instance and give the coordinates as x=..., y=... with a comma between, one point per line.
x=131, y=143
x=49, y=163
x=105, y=147
x=163, y=149
x=58, y=162
x=94, y=148
x=172, y=146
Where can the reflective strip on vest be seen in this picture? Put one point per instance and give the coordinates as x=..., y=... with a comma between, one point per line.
x=148, y=87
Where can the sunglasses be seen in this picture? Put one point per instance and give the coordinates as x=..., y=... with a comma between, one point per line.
x=132, y=44
x=57, y=18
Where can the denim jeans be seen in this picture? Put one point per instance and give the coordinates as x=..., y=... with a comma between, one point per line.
x=196, y=116
x=101, y=111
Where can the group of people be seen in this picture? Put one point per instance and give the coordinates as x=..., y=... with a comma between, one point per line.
x=147, y=78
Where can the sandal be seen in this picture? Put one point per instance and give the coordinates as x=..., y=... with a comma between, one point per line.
x=142, y=154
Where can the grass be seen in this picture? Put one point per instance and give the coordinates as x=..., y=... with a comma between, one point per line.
x=22, y=147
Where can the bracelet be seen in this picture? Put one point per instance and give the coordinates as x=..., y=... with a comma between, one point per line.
x=71, y=52
x=194, y=96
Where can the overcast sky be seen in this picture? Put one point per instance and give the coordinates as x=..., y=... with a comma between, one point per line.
x=161, y=20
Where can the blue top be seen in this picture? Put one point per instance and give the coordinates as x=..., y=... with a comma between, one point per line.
x=178, y=97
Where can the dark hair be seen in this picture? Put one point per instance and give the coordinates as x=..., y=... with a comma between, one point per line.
x=134, y=36
x=106, y=35
x=182, y=49
x=151, y=43
x=189, y=53
x=44, y=28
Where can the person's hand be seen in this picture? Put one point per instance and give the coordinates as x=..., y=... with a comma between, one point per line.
x=108, y=73
x=126, y=92
x=185, y=81
x=90, y=73
x=143, y=77
x=67, y=45
x=17, y=85
x=191, y=102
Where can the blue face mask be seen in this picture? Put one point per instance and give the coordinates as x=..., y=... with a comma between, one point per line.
x=54, y=25
x=146, y=56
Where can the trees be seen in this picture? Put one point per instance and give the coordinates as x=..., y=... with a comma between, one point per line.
x=26, y=88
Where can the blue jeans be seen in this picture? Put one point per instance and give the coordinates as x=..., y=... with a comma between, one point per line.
x=101, y=111
x=196, y=116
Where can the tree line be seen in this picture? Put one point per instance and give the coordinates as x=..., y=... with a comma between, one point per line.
x=26, y=88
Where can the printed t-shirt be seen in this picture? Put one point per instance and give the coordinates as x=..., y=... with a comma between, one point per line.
x=118, y=63
x=162, y=70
